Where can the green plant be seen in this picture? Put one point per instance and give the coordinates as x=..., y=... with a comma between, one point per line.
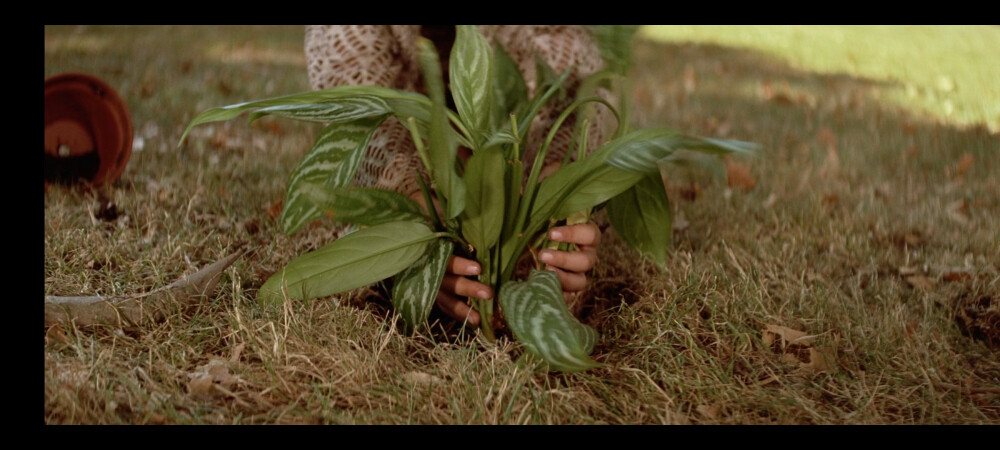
x=487, y=210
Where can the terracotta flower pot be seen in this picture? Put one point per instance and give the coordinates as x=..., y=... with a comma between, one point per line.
x=88, y=131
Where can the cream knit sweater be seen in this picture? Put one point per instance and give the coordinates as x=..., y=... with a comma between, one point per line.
x=385, y=55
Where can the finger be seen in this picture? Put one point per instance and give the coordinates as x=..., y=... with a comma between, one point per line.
x=465, y=287
x=578, y=261
x=570, y=281
x=461, y=266
x=580, y=234
x=456, y=309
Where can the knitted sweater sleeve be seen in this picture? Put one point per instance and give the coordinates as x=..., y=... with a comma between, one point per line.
x=386, y=56
x=374, y=55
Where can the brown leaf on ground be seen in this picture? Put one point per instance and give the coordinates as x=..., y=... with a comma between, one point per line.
x=205, y=377
x=830, y=200
x=956, y=276
x=964, y=164
x=690, y=79
x=680, y=222
x=421, y=378
x=770, y=201
x=691, y=192
x=787, y=336
x=958, y=211
x=819, y=362
x=978, y=317
x=200, y=386
x=709, y=411
x=920, y=282
x=55, y=334
x=911, y=238
x=235, y=357
x=275, y=209
x=738, y=175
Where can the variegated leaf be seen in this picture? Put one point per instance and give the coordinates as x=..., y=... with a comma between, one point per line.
x=363, y=206
x=332, y=162
x=640, y=150
x=443, y=150
x=537, y=314
x=471, y=72
x=343, y=110
x=358, y=259
x=416, y=287
x=312, y=97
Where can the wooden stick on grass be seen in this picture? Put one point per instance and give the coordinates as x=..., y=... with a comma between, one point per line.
x=136, y=310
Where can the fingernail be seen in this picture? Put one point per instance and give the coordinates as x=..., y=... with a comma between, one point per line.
x=483, y=294
x=545, y=256
x=555, y=235
x=474, y=270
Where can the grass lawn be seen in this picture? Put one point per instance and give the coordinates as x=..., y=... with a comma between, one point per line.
x=851, y=275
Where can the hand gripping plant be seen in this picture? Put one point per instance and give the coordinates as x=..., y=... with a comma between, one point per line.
x=487, y=211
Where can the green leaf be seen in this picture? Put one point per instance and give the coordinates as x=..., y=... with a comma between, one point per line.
x=601, y=186
x=482, y=219
x=363, y=206
x=416, y=287
x=332, y=162
x=548, y=90
x=342, y=110
x=311, y=97
x=641, y=217
x=358, y=259
x=471, y=71
x=501, y=137
x=687, y=158
x=509, y=90
x=640, y=150
x=443, y=150
x=615, y=44
x=537, y=314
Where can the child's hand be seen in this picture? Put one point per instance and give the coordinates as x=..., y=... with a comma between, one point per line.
x=455, y=286
x=572, y=267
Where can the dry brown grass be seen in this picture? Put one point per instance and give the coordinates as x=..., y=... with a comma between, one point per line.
x=852, y=203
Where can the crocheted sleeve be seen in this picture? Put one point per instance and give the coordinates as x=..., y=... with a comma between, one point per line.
x=561, y=47
x=386, y=56
x=374, y=55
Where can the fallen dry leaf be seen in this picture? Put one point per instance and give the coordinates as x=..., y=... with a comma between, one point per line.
x=709, y=411
x=235, y=357
x=690, y=79
x=738, y=175
x=958, y=211
x=787, y=335
x=831, y=165
x=156, y=419
x=275, y=209
x=818, y=362
x=910, y=238
x=205, y=377
x=770, y=201
x=421, y=378
x=200, y=386
x=691, y=192
x=55, y=334
x=920, y=281
x=680, y=222
x=964, y=164
x=956, y=276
